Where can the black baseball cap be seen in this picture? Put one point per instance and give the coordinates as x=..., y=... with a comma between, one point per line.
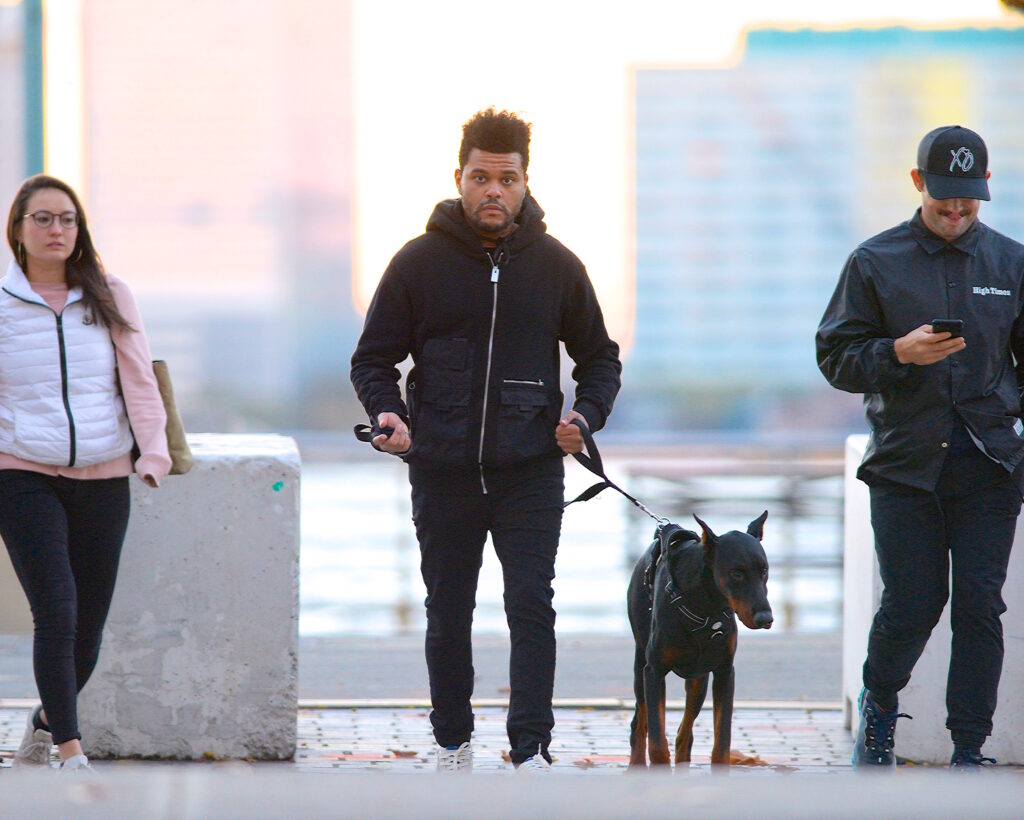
x=954, y=163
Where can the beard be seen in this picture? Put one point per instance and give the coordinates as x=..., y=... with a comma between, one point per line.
x=488, y=225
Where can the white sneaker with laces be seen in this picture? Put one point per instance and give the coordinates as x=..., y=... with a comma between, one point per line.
x=76, y=764
x=535, y=764
x=459, y=759
x=36, y=745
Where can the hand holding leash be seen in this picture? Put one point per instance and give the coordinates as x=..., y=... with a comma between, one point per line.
x=389, y=434
x=567, y=433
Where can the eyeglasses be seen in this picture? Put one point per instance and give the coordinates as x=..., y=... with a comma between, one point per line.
x=44, y=219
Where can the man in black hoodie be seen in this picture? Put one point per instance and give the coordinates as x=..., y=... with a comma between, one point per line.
x=480, y=302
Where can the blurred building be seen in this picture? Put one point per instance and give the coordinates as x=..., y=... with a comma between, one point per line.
x=754, y=183
x=218, y=177
x=12, y=107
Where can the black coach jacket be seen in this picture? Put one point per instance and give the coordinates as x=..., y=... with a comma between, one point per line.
x=895, y=282
x=483, y=329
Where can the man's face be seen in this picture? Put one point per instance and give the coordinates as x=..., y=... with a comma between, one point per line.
x=948, y=218
x=493, y=187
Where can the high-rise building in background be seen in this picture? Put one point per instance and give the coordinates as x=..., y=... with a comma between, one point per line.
x=12, y=105
x=218, y=177
x=754, y=183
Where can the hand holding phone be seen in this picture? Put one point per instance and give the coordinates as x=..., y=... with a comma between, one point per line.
x=954, y=327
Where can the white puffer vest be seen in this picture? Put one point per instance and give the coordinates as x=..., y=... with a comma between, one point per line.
x=59, y=399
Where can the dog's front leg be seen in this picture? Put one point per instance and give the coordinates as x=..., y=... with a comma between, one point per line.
x=696, y=691
x=654, y=696
x=722, y=690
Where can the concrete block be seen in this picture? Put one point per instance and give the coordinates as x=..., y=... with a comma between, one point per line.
x=925, y=738
x=200, y=651
x=862, y=585
x=15, y=616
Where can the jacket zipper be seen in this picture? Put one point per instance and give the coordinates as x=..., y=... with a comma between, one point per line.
x=487, y=378
x=530, y=382
x=64, y=387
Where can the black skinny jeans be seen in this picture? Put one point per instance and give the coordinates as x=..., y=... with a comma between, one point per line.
x=524, y=517
x=968, y=521
x=64, y=537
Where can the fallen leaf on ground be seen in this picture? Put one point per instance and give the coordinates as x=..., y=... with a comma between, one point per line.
x=740, y=759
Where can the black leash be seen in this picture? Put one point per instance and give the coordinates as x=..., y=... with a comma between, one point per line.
x=591, y=459
x=367, y=433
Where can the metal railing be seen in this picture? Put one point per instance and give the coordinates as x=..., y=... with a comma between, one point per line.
x=802, y=491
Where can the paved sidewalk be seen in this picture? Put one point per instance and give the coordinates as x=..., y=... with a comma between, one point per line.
x=591, y=741
x=358, y=738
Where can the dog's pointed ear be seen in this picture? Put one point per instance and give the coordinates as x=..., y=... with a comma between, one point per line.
x=709, y=538
x=756, y=527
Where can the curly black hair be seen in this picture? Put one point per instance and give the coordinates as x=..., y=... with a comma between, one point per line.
x=497, y=132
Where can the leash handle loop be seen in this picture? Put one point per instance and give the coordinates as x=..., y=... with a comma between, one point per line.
x=591, y=459
x=368, y=432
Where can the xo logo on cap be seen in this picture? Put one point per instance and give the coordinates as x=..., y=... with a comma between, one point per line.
x=953, y=162
x=962, y=158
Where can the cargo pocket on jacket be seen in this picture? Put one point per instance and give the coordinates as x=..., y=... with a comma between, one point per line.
x=442, y=389
x=524, y=429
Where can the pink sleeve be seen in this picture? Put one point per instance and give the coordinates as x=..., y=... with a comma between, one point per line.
x=138, y=384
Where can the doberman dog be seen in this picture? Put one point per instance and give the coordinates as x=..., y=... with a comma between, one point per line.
x=683, y=597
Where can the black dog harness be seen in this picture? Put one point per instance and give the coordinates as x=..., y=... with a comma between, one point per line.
x=701, y=627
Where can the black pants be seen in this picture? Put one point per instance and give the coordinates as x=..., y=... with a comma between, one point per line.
x=524, y=517
x=969, y=521
x=64, y=537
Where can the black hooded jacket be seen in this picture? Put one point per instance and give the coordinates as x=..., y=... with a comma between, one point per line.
x=482, y=327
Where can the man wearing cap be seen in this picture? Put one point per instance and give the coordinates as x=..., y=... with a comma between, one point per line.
x=943, y=460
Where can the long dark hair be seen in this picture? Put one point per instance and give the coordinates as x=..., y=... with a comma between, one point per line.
x=84, y=267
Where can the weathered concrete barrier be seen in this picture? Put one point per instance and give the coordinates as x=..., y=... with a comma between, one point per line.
x=925, y=738
x=200, y=651
x=15, y=616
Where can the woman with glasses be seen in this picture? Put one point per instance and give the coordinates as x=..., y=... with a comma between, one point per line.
x=76, y=390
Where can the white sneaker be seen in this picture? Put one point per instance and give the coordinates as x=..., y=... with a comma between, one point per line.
x=455, y=760
x=36, y=745
x=535, y=764
x=76, y=764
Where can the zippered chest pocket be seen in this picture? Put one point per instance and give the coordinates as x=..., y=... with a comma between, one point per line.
x=526, y=393
x=524, y=427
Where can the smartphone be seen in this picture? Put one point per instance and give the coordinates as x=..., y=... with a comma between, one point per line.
x=955, y=327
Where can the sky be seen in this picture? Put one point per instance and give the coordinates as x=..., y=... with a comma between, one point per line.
x=422, y=69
